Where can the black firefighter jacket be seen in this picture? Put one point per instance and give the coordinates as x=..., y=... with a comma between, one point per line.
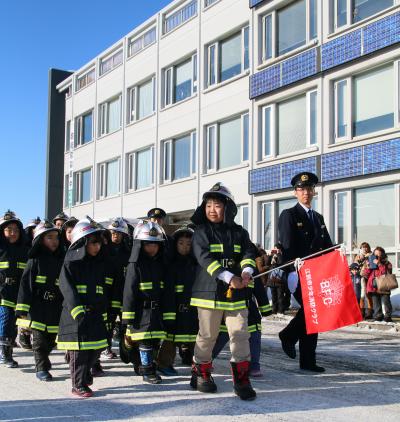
x=13, y=258
x=148, y=305
x=220, y=247
x=84, y=313
x=39, y=296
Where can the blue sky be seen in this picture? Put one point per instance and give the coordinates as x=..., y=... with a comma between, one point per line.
x=34, y=37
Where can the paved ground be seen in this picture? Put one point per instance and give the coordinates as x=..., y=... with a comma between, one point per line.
x=362, y=383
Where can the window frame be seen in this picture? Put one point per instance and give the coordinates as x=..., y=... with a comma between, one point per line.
x=78, y=189
x=274, y=33
x=132, y=106
x=141, y=37
x=132, y=166
x=88, y=77
x=67, y=136
x=102, y=179
x=216, y=128
x=213, y=65
x=104, y=115
x=78, y=129
x=180, y=16
x=167, y=157
x=240, y=216
x=117, y=54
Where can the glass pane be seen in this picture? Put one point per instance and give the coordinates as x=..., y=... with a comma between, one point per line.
x=293, y=17
x=114, y=115
x=371, y=224
x=268, y=37
x=285, y=204
x=341, y=110
x=168, y=93
x=313, y=118
x=267, y=226
x=212, y=65
x=211, y=148
x=231, y=61
x=267, y=131
x=183, y=81
x=145, y=93
x=364, y=8
x=194, y=151
x=112, y=178
x=86, y=181
x=245, y=219
x=374, y=101
x=67, y=136
x=341, y=12
x=342, y=231
x=229, y=148
x=87, y=128
x=167, y=161
x=292, y=127
x=313, y=19
x=143, y=169
x=182, y=158
x=245, y=137
x=246, y=60
x=149, y=37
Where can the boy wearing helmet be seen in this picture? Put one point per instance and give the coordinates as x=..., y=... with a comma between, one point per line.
x=226, y=258
x=39, y=298
x=148, y=306
x=82, y=329
x=13, y=257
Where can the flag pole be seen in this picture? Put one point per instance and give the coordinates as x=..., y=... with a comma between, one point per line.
x=302, y=259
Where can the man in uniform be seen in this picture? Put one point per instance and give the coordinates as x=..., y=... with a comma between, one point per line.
x=302, y=232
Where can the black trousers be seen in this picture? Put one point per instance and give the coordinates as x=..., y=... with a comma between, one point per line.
x=81, y=361
x=42, y=345
x=295, y=332
x=379, y=300
x=278, y=299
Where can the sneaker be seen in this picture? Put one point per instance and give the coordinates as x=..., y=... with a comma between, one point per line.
x=82, y=392
x=168, y=371
x=152, y=379
x=255, y=373
x=108, y=354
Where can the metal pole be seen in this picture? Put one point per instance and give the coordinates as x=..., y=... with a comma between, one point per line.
x=303, y=259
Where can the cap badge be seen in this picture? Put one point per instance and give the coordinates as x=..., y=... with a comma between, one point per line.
x=304, y=178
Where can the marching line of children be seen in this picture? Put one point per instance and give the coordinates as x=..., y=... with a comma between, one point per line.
x=78, y=280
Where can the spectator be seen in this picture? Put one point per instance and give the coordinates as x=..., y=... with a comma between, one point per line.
x=379, y=265
x=276, y=280
x=365, y=299
x=356, y=279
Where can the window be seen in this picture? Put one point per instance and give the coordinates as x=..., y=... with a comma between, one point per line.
x=108, y=180
x=140, y=169
x=242, y=216
x=179, y=157
x=141, y=100
x=66, y=191
x=180, y=16
x=302, y=19
x=82, y=186
x=290, y=125
x=68, y=92
x=209, y=2
x=357, y=219
x=84, y=129
x=67, y=136
x=227, y=143
x=141, y=42
x=110, y=116
x=348, y=12
x=357, y=111
x=180, y=81
x=228, y=58
x=108, y=63
x=85, y=79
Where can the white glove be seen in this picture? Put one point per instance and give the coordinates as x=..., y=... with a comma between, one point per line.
x=293, y=281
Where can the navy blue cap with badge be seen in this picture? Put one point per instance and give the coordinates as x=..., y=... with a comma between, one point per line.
x=304, y=179
x=156, y=213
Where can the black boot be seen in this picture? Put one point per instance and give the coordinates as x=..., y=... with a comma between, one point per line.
x=201, y=378
x=241, y=382
x=186, y=354
x=149, y=374
x=6, y=359
x=24, y=340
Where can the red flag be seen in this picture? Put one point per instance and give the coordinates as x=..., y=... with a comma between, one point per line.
x=328, y=295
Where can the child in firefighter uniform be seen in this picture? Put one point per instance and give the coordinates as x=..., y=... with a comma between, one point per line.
x=258, y=306
x=13, y=257
x=148, y=307
x=226, y=258
x=39, y=299
x=181, y=274
x=82, y=329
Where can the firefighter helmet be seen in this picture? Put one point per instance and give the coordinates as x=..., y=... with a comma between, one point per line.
x=44, y=227
x=33, y=223
x=183, y=230
x=71, y=222
x=118, y=225
x=60, y=216
x=221, y=190
x=10, y=217
x=148, y=231
x=84, y=228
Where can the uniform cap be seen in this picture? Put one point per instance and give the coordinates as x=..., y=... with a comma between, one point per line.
x=156, y=213
x=304, y=179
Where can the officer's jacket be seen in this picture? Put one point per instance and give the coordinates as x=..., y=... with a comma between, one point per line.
x=84, y=313
x=299, y=236
x=13, y=258
x=39, y=296
x=148, y=302
x=181, y=274
x=220, y=247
